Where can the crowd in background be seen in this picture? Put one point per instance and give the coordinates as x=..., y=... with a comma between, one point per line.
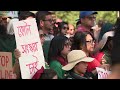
x=71, y=52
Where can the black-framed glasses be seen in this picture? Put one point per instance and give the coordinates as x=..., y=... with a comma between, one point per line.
x=50, y=20
x=91, y=41
x=4, y=18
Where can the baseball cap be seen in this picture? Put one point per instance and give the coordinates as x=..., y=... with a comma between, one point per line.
x=86, y=13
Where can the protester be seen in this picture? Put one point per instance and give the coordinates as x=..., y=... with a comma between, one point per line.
x=45, y=23
x=115, y=57
x=87, y=20
x=60, y=46
x=70, y=31
x=97, y=29
x=45, y=74
x=86, y=42
x=63, y=27
x=24, y=15
x=17, y=54
x=77, y=64
x=105, y=45
x=7, y=42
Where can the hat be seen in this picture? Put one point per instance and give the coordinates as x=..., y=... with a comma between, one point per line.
x=86, y=13
x=105, y=38
x=74, y=57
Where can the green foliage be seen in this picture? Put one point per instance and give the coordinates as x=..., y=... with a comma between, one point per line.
x=71, y=16
x=68, y=16
x=109, y=16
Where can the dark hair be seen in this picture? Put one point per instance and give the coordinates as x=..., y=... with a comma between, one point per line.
x=101, y=23
x=115, y=54
x=79, y=40
x=41, y=15
x=105, y=28
x=48, y=74
x=22, y=15
x=56, y=46
x=78, y=22
x=61, y=25
x=106, y=46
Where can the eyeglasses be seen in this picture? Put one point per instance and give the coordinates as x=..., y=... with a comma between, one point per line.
x=4, y=18
x=91, y=41
x=50, y=20
x=91, y=17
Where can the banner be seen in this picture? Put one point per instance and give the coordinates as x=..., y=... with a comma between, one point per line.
x=6, y=71
x=28, y=43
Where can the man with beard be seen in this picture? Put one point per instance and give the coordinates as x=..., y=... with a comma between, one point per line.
x=7, y=42
x=45, y=22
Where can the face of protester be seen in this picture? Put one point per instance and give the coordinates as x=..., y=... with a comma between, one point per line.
x=3, y=24
x=48, y=22
x=67, y=48
x=70, y=30
x=3, y=21
x=81, y=67
x=42, y=37
x=64, y=29
x=89, y=20
x=90, y=43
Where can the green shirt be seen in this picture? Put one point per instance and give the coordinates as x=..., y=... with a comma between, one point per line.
x=46, y=46
x=56, y=66
x=8, y=44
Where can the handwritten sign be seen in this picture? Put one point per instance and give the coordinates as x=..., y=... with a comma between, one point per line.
x=102, y=73
x=6, y=71
x=28, y=43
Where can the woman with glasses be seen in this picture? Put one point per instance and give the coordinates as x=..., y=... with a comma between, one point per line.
x=60, y=46
x=86, y=42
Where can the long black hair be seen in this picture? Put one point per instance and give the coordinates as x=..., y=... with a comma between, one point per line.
x=56, y=46
x=115, y=54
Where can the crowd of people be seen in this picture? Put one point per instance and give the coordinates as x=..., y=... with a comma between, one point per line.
x=71, y=52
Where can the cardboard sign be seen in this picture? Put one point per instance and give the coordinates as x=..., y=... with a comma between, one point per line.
x=28, y=43
x=6, y=71
x=102, y=73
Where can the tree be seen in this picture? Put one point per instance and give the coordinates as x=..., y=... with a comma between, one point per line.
x=68, y=16
x=71, y=16
x=109, y=16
